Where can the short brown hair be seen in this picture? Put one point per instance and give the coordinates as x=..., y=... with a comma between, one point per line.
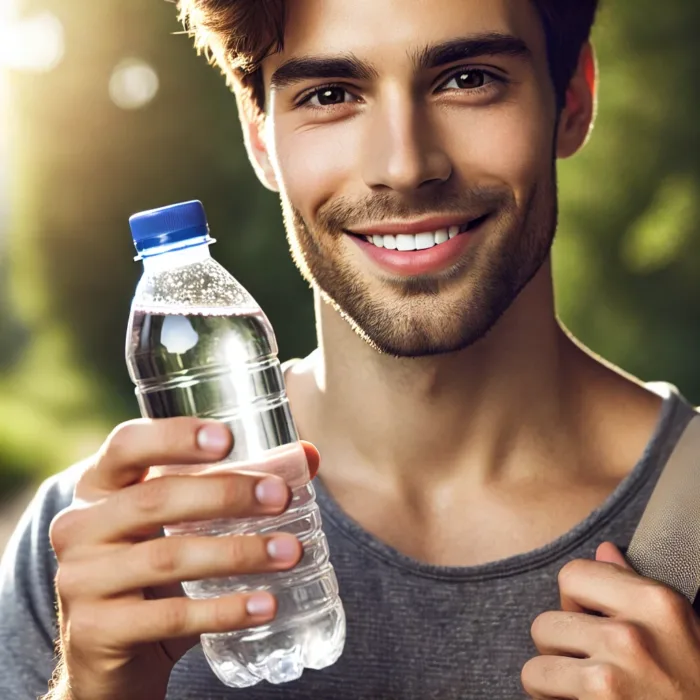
x=237, y=35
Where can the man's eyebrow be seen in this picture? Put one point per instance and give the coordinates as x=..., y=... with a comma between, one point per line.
x=346, y=66
x=465, y=48
x=350, y=67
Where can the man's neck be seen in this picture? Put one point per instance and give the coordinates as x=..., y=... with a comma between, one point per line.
x=524, y=404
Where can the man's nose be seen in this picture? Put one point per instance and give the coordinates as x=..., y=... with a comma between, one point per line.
x=401, y=150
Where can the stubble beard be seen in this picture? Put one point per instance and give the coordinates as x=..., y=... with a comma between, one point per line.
x=427, y=315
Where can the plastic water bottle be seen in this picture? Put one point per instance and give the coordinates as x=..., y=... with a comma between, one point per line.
x=199, y=345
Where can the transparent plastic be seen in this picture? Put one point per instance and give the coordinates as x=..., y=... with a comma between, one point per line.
x=199, y=345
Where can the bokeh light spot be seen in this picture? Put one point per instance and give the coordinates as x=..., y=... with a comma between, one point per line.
x=33, y=44
x=134, y=84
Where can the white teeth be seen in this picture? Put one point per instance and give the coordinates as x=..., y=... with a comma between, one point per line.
x=405, y=242
x=425, y=241
x=419, y=241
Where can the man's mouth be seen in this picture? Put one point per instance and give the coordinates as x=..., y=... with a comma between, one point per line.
x=407, y=242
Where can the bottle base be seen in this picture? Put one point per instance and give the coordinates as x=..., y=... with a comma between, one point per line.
x=315, y=642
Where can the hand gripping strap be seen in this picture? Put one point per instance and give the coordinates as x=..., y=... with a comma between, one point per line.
x=666, y=543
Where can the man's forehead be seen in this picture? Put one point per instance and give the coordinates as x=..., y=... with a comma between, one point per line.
x=391, y=29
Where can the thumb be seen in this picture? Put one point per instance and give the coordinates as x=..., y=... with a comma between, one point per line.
x=608, y=552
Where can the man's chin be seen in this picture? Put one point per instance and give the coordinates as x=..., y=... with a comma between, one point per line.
x=400, y=330
x=418, y=345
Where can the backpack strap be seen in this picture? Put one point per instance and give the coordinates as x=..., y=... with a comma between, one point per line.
x=666, y=543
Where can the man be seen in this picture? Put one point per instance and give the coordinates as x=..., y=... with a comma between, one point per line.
x=476, y=459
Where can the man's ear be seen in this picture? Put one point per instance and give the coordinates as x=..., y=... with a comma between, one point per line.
x=253, y=124
x=578, y=115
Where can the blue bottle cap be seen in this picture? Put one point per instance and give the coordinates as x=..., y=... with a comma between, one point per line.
x=169, y=228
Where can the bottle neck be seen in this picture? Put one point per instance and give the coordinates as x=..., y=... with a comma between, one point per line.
x=177, y=258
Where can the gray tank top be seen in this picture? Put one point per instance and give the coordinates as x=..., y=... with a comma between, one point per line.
x=414, y=630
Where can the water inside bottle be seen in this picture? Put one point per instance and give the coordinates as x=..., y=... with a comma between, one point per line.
x=215, y=363
x=174, y=343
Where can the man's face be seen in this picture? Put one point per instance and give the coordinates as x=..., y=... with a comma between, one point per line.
x=427, y=126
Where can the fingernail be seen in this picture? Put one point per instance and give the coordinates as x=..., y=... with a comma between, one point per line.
x=214, y=437
x=271, y=492
x=283, y=548
x=260, y=604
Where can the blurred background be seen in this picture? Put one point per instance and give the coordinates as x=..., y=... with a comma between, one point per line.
x=106, y=110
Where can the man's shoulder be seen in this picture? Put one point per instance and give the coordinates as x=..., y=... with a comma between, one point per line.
x=52, y=496
x=28, y=557
x=27, y=596
x=56, y=492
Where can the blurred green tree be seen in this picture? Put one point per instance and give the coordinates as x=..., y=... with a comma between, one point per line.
x=627, y=258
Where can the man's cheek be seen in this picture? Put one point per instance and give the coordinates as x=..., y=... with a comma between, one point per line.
x=506, y=153
x=316, y=166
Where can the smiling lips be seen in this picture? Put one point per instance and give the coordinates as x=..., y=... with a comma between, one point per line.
x=415, y=249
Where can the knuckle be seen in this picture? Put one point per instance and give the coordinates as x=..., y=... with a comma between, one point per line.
x=164, y=556
x=540, y=624
x=529, y=675
x=176, y=616
x=237, y=549
x=551, y=620
x=668, y=603
x=63, y=529
x=626, y=636
x=86, y=469
x=119, y=441
x=84, y=625
x=602, y=680
x=234, y=492
x=243, y=549
x=66, y=583
x=227, y=612
x=150, y=497
x=570, y=571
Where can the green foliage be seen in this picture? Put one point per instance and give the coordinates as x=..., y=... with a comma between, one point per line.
x=628, y=255
x=627, y=259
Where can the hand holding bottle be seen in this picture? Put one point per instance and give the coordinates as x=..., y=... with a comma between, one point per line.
x=124, y=620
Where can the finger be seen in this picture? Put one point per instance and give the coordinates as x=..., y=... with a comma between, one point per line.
x=176, y=559
x=600, y=587
x=141, y=510
x=553, y=677
x=134, y=447
x=608, y=552
x=567, y=634
x=312, y=457
x=144, y=622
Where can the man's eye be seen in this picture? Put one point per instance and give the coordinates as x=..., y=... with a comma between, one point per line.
x=468, y=80
x=329, y=96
